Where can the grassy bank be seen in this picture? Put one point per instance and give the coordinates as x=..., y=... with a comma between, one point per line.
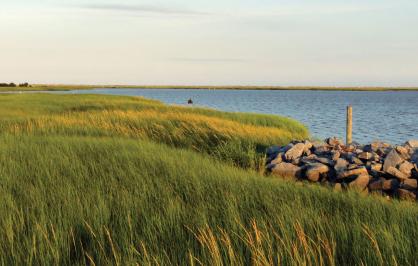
x=74, y=200
x=102, y=180
x=233, y=137
x=66, y=87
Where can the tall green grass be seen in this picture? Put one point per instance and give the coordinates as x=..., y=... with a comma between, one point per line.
x=100, y=180
x=78, y=200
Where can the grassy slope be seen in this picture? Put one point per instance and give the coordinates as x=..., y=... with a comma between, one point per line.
x=65, y=199
x=53, y=87
x=217, y=133
x=82, y=179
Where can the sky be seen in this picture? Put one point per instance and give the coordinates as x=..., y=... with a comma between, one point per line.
x=217, y=42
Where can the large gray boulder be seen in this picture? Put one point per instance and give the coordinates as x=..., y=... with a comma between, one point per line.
x=396, y=173
x=295, y=152
x=406, y=168
x=353, y=173
x=403, y=152
x=393, y=159
x=340, y=165
x=360, y=183
x=315, y=171
x=287, y=171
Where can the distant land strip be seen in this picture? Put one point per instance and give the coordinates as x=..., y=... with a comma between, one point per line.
x=66, y=87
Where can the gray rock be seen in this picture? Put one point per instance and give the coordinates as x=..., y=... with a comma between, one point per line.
x=326, y=161
x=360, y=183
x=376, y=167
x=406, y=168
x=396, y=173
x=365, y=156
x=347, y=155
x=353, y=173
x=308, y=144
x=335, y=155
x=340, y=165
x=376, y=157
x=296, y=161
x=403, y=152
x=358, y=151
x=334, y=141
x=391, y=185
x=409, y=184
x=356, y=161
x=278, y=159
x=287, y=147
x=376, y=145
x=287, y=171
x=376, y=184
x=309, y=159
x=392, y=160
x=412, y=143
x=315, y=171
x=295, y=152
x=321, y=150
x=404, y=194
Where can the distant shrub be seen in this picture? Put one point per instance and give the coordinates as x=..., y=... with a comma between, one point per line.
x=7, y=85
x=24, y=85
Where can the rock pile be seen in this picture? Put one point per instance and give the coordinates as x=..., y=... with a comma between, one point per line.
x=374, y=168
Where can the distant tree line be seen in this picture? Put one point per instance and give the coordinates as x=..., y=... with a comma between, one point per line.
x=13, y=85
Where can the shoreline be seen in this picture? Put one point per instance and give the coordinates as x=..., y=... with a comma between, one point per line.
x=67, y=87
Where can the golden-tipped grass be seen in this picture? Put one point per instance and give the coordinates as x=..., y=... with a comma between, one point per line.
x=169, y=128
x=228, y=136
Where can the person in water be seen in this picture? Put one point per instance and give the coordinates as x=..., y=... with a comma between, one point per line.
x=190, y=101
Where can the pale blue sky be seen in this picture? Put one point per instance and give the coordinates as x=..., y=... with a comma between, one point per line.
x=217, y=42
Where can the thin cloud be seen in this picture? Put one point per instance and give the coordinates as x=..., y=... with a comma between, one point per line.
x=292, y=10
x=162, y=10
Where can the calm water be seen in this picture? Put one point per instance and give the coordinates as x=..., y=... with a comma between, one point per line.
x=387, y=116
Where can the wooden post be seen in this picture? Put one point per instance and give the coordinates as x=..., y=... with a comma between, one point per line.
x=349, y=125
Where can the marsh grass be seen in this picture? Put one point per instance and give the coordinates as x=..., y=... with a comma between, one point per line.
x=100, y=180
x=103, y=201
x=240, y=139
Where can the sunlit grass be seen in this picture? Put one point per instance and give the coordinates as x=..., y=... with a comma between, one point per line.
x=201, y=130
x=84, y=200
x=101, y=180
